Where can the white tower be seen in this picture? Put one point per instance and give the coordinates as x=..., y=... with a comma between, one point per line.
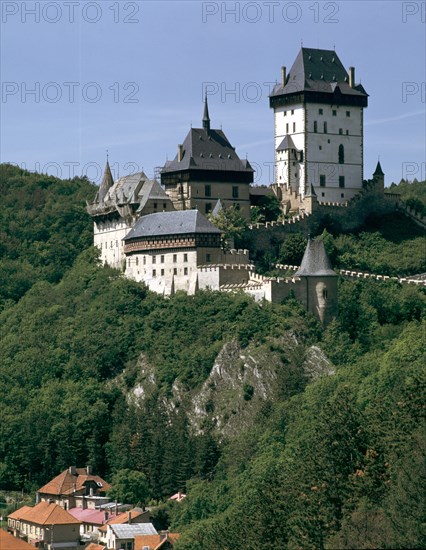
x=318, y=130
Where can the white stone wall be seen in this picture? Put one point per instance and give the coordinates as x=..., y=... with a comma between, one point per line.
x=320, y=149
x=108, y=237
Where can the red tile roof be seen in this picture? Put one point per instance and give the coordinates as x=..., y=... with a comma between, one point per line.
x=66, y=483
x=122, y=518
x=151, y=541
x=9, y=542
x=44, y=513
x=93, y=546
x=94, y=517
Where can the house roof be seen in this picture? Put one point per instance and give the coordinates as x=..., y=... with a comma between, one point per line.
x=150, y=541
x=93, y=546
x=123, y=518
x=317, y=70
x=130, y=530
x=88, y=515
x=315, y=261
x=9, y=542
x=44, y=513
x=66, y=482
x=205, y=149
x=180, y=222
x=106, y=183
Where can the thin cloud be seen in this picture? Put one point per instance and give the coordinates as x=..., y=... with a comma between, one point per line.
x=391, y=119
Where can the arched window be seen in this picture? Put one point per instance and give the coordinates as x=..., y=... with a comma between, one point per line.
x=341, y=154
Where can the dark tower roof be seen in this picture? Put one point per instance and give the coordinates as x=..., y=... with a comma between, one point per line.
x=106, y=183
x=319, y=74
x=315, y=262
x=378, y=171
x=206, y=117
x=180, y=222
x=311, y=192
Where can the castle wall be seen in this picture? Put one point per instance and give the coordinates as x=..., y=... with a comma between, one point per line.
x=108, y=237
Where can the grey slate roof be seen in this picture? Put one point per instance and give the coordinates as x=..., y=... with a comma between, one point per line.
x=207, y=150
x=315, y=261
x=378, y=171
x=317, y=71
x=106, y=183
x=180, y=222
x=287, y=143
x=130, y=530
x=217, y=208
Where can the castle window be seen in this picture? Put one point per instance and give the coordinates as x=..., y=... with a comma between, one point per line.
x=208, y=190
x=322, y=180
x=185, y=271
x=137, y=260
x=164, y=206
x=174, y=258
x=348, y=113
x=292, y=111
x=208, y=207
x=208, y=258
x=294, y=127
x=322, y=194
x=341, y=181
x=154, y=273
x=155, y=206
x=315, y=126
x=347, y=132
x=286, y=128
x=340, y=131
x=342, y=195
x=175, y=271
x=185, y=257
x=334, y=112
x=285, y=113
x=341, y=154
x=144, y=260
x=162, y=272
x=320, y=111
x=235, y=192
x=154, y=259
x=325, y=127
x=325, y=293
x=320, y=147
x=162, y=259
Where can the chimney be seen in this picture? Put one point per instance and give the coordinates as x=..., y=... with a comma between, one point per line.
x=72, y=470
x=106, y=515
x=283, y=75
x=180, y=149
x=129, y=517
x=89, y=470
x=91, y=491
x=352, y=77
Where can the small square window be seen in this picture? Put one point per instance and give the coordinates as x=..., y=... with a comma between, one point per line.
x=154, y=273
x=341, y=181
x=164, y=205
x=285, y=113
x=347, y=132
x=174, y=258
x=348, y=113
x=320, y=147
x=320, y=111
x=208, y=258
x=162, y=272
x=162, y=259
x=155, y=206
x=144, y=260
x=342, y=195
x=292, y=111
x=235, y=192
x=334, y=112
x=154, y=259
x=175, y=271
x=322, y=194
x=185, y=257
x=322, y=180
x=185, y=271
x=340, y=131
x=208, y=190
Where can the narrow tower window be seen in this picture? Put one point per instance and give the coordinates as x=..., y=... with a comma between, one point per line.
x=325, y=127
x=341, y=154
x=315, y=126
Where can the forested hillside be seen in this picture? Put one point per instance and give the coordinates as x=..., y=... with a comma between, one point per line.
x=327, y=446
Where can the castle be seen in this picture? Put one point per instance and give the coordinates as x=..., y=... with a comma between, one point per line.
x=157, y=233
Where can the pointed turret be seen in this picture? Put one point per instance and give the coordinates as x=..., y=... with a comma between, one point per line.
x=206, y=117
x=315, y=261
x=106, y=183
x=378, y=171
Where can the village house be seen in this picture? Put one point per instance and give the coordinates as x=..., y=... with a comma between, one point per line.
x=9, y=542
x=165, y=541
x=136, y=515
x=75, y=488
x=122, y=536
x=45, y=525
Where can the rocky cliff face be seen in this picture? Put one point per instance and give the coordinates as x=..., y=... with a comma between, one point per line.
x=239, y=383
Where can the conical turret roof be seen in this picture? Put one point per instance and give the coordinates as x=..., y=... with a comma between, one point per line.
x=106, y=183
x=315, y=261
x=378, y=171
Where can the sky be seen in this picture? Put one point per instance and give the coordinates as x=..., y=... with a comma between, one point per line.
x=79, y=79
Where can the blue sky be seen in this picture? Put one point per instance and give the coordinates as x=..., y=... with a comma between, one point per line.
x=129, y=77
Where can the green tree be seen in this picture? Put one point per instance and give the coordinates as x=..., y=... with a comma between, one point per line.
x=129, y=486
